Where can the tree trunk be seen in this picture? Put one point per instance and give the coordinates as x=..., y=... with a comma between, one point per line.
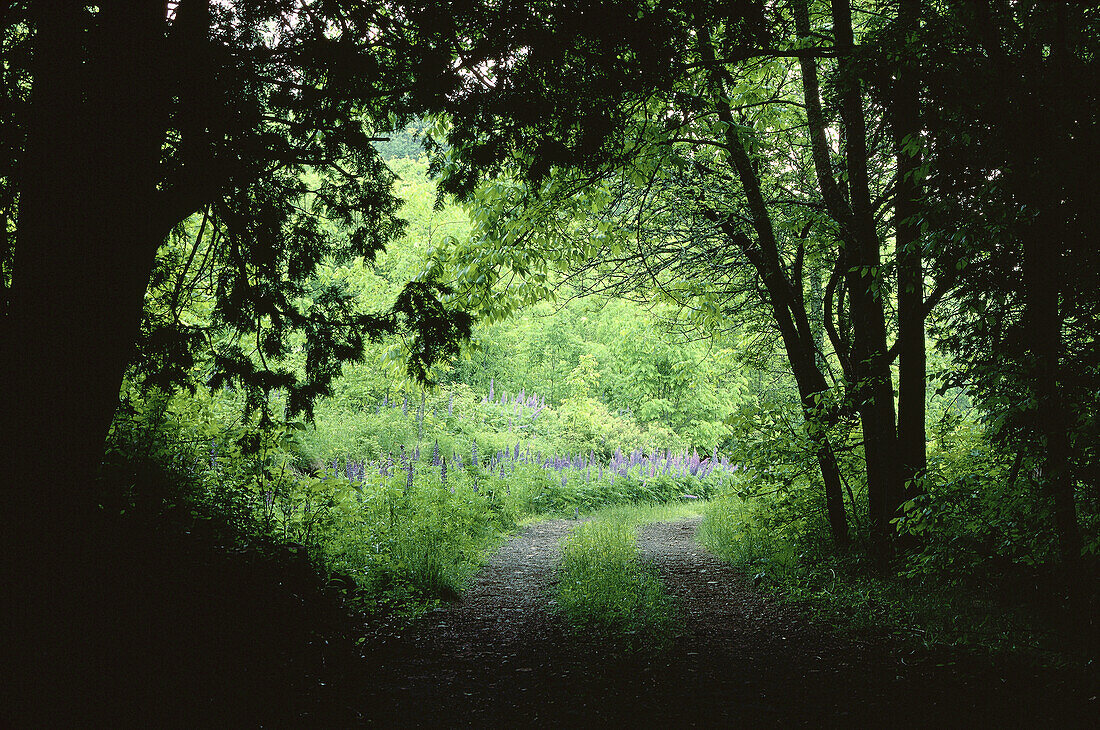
x=870, y=366
x=87, y=237
x=875, y=388
x=912, y=365
x=787, y=304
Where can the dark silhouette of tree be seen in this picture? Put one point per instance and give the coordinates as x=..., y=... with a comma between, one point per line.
x=1011, y=157
x=121, y=121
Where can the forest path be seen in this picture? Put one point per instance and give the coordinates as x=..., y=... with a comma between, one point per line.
x=500, y=657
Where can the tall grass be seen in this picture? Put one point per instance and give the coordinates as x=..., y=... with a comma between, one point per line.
x=732, y=530
x=606, y=590
x=406, y=550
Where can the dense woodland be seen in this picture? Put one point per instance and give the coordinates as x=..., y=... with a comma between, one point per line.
x=356, y=289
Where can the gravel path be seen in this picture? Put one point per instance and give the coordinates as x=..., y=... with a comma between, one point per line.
x=501, y=658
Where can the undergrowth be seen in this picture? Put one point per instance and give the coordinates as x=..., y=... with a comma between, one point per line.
x=1019, y=613
x=605, y=590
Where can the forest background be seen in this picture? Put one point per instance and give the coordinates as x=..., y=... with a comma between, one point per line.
x=829, y=265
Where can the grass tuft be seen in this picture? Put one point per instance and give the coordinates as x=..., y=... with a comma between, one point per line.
x=604, y=588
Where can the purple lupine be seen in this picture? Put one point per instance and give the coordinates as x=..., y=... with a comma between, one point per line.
x=451, y=404
x=435, y=453
x=443, y=471
x=473, y=454
x=409, y=481
x=491, y=389
x=405, y=406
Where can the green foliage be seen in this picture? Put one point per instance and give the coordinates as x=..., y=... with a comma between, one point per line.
x=554, y=497
x=403, y=143
x=405, y=549
x=605, y=590
x=748, y=538
x=979, y=522
x=978, y=573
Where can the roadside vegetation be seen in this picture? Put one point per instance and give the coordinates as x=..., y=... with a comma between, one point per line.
x=363, y=286
x=395, y=492
x=606, y=590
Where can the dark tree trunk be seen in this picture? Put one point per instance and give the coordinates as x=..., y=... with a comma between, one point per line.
x=788, y=307
x=912, y=366
x=1046, y=183
x=1041, y=275
x=87, y=237
x=869, y=363
x=875, y=387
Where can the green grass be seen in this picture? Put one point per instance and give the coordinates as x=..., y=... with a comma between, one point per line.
x=636, y=514
x=731, y=529
x=604, y=589
x=850, y=593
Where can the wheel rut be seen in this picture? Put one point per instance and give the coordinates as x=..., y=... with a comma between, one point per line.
x=501, y=657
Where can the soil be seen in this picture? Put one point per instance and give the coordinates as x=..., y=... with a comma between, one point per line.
x=185, y=634
x=502, y=657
